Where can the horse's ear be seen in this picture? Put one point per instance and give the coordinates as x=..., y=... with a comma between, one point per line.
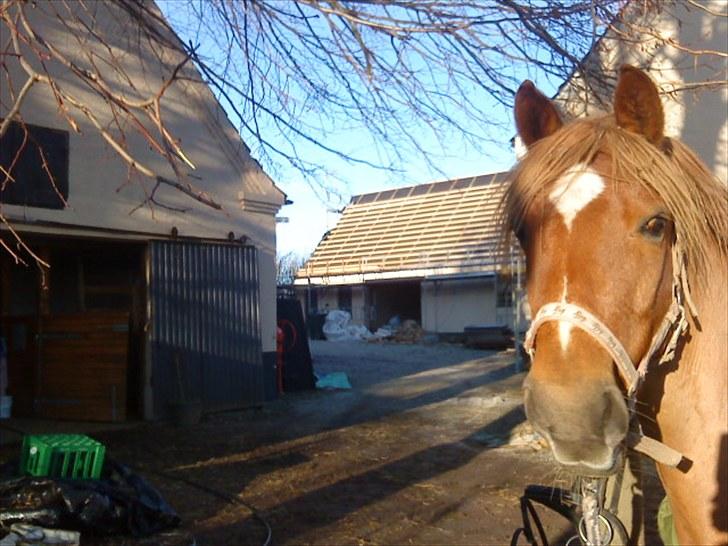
x=637, y=105
x=536, y=116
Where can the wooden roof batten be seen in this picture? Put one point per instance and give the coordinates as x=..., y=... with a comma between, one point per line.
x=439, y=228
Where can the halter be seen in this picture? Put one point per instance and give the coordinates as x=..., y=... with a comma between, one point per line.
x=674, y=322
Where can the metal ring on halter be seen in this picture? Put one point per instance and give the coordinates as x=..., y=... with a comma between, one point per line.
x=571, y=542
x=602, y=519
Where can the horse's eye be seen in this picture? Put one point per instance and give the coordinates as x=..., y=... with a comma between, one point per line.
x=654, y=228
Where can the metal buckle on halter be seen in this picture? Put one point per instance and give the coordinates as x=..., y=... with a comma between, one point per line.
x=594, y=529
x=569, y=503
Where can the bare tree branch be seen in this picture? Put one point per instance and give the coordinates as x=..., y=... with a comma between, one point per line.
x=18, y=102
x=411, y=76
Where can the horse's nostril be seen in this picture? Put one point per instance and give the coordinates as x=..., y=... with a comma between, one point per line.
x=615, y=418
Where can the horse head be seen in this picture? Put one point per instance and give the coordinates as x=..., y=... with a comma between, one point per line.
x=598, y=240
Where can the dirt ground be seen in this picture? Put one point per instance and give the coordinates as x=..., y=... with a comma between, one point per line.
x=417, y=452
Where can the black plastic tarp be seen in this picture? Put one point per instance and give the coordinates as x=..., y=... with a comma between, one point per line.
x=121, y=503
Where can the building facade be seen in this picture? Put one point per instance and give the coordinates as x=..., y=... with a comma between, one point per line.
x=683, y=47
x=432, y=253
x=152, y=297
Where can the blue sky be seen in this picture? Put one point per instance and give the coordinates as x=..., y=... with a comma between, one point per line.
x=447, y=155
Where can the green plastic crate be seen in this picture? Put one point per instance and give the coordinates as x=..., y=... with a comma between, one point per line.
x=62, y=456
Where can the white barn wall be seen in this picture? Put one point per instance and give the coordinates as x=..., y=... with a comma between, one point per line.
x=695, y=114
x=448, y=306
x=267, y=288
x=99, y=194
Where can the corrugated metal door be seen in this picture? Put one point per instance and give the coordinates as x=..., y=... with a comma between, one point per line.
x=205, y=335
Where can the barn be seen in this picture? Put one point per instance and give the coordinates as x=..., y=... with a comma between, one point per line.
x=152, y=299
x=430, y=253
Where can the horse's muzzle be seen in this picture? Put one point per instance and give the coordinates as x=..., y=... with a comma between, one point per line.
x=585, y=429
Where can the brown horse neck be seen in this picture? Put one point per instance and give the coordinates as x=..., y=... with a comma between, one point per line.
x=699, y=374
x=707, y=348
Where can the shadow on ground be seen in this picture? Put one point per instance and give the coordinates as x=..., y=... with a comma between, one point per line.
x=402, y=458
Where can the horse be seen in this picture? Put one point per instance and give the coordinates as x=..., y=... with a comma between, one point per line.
x=625, y=234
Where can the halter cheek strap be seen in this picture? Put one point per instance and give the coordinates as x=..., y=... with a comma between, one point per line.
x=673, y=323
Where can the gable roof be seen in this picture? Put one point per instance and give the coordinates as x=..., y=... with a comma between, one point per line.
x=258, y=183
x=440, y=228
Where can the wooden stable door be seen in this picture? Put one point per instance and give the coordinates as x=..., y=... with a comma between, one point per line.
x=82, y=368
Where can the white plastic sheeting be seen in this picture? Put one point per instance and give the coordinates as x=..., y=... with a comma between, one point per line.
x=338, y=327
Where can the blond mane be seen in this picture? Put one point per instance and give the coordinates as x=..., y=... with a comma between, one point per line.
x=695, y=199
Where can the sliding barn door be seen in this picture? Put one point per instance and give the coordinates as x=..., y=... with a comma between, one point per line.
x=205, y=326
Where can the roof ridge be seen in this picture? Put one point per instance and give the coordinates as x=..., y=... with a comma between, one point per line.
x=450, y=224
x=430, y=187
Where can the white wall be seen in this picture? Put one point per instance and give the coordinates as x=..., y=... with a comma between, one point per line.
x=448, y=306
x=695, y=114
x=268, y=319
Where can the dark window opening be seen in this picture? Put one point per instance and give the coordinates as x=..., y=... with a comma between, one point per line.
x=344, y=298
x=93, y=279
x=37, y=160
x=387, y=300
x=22, y=298
x=504, y=296
x=65, y=282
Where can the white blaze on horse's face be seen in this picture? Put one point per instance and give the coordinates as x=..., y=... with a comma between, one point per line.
x=576, y=188
x=564, y=327
x=571, y=193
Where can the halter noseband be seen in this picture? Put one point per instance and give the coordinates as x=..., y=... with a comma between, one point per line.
x=674, y=321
